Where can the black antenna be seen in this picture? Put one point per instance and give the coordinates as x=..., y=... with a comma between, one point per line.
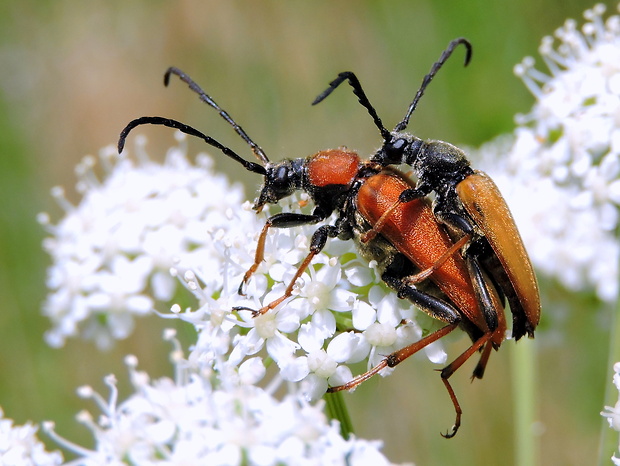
x=250, y=166
x=429, y=77
x=258, y=152
x=361, y=97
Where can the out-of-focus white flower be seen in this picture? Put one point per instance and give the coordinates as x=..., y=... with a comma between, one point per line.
x=112, y=253
x=19, y=446
x=211, y=417
x=562, y=179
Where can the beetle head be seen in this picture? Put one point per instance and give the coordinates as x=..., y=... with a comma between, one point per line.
x=281, y=180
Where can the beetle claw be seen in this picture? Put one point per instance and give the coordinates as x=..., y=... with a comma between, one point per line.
x=245, y=308
x=452, y=432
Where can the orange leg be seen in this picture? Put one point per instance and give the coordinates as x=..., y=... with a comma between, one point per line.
x=258, y=258
x=289, y=289
x=395, y=358
x=451, y=368
x=424, y=274
x=317, y=243
x=260, y=249
x=399, y=356
x=482, y=362
x=376, y=229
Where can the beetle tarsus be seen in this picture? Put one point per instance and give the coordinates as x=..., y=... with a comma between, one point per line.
x=457, y=409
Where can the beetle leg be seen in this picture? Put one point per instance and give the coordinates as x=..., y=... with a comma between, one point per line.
x=457, y=409
x=319, y=239
x=376, y=229
x=424, y=274
x=406, y=196
x=399, y=356
x=258, y=258
x=282, y=220
x=486, y=292
x=495, y=309
x=454, y=220
x=395, y=358
x=289, y=289
x=482, y=362
x=491, y=306
x=436, y=308
x=451, y=368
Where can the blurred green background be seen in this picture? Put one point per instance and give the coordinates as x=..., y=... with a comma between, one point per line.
x=73, y=73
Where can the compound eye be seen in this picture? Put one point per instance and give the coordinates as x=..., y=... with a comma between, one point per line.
x=398, y=145
x=281, y=177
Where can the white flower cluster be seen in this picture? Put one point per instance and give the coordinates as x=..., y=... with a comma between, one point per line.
x=116, y=247
x=143, y=221
x=113, y=252
x=19, y=446
x=563, y=176
x=338, y=315
x=211, y=418
x=612, y=413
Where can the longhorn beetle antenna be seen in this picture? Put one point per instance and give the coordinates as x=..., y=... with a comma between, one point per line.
x=250, y=166
x=256, y=149
x=361, y=97
x=429, y=77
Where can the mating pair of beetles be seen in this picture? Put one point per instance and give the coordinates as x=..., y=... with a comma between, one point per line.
x=458, y=258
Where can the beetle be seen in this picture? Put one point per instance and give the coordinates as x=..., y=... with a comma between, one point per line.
x=452, y=274
x=467, y=202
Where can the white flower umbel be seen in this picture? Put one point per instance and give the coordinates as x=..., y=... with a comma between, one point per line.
x=612, y=413
x=339, y=314
x=19, y=445
x=211, y=417
x=112, y=253
x=563, y=176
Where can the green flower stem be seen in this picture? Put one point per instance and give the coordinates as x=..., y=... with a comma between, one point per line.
x=525, y=404
x=336, y=409
x=609, y=437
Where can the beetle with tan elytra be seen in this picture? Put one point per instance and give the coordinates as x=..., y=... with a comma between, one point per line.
x=457, y=259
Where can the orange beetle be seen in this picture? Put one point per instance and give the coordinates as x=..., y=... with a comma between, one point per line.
x=455, y=260
x=412, y=246
x=466, y=201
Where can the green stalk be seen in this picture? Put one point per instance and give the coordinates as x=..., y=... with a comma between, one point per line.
x=609, y=438
x=525, y=403
x=335, y=408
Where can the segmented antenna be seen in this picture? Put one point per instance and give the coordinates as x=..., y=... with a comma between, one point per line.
x=250, y=166
x=256, y=149
x=429, y=77
x=363, y=99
